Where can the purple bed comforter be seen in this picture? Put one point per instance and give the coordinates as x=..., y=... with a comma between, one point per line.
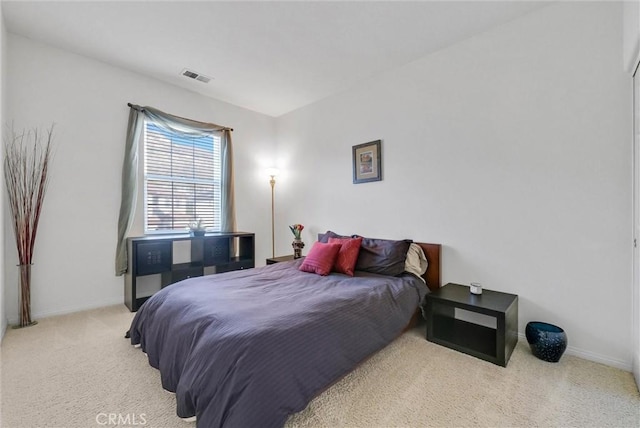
x=249, y=348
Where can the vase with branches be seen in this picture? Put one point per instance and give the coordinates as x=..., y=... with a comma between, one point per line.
x=26, y=171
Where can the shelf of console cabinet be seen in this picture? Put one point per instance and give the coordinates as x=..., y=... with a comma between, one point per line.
x=140, y=300
x=235, y=263
x=181, y=271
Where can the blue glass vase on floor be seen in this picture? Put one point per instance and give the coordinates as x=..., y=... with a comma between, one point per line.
x=547, y=341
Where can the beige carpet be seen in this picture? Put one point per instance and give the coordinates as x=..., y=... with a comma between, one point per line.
x=76, y=370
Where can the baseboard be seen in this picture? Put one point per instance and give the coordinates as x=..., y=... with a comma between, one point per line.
x=592, y=356
x=72, y=309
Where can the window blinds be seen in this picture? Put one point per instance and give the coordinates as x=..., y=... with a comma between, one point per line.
x=182, y=180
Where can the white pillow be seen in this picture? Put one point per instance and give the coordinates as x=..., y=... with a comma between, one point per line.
x=416, y=262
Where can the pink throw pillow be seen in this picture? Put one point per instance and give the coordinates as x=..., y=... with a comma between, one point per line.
x=348, y=254
x=320, y=259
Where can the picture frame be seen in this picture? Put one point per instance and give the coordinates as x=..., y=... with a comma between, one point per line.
x=367, y=162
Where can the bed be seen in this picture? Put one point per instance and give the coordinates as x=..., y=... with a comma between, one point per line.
x=249, y=348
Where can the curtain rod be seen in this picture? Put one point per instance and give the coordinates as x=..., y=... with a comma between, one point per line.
x=224, y=128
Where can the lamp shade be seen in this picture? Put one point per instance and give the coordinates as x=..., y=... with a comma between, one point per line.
x=272, y=172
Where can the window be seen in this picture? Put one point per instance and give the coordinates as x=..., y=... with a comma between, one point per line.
x=182, y=178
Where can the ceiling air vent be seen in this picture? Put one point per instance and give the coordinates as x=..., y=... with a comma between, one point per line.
x=197, y=76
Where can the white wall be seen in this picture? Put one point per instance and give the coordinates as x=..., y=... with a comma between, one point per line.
x=75, y=249
x=3, y=110
x=636, y=231
x=511, y=149
x=631, y=57
x=631, y=34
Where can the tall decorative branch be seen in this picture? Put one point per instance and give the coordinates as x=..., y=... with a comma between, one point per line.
x=26, y=173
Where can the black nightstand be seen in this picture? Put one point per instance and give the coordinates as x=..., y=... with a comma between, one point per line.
x=493, y=343
x=274, y=260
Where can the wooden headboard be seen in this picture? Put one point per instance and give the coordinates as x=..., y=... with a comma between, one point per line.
x=432, y=275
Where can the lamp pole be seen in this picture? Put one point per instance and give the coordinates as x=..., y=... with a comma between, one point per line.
x=273, y=234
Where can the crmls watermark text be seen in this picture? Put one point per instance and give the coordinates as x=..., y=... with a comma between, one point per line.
x=119, y=419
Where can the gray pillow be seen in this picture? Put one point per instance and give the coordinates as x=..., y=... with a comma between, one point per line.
x=324, y=237
x=382, y=256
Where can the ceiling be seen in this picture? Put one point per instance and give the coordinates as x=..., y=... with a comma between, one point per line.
x=270, y=57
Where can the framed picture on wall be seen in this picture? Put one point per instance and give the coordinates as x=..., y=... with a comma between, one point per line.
x=367, y=162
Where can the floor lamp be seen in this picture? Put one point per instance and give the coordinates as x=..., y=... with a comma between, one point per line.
x=272, y=172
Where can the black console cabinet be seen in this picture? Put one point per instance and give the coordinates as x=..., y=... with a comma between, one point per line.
x=150, y=255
